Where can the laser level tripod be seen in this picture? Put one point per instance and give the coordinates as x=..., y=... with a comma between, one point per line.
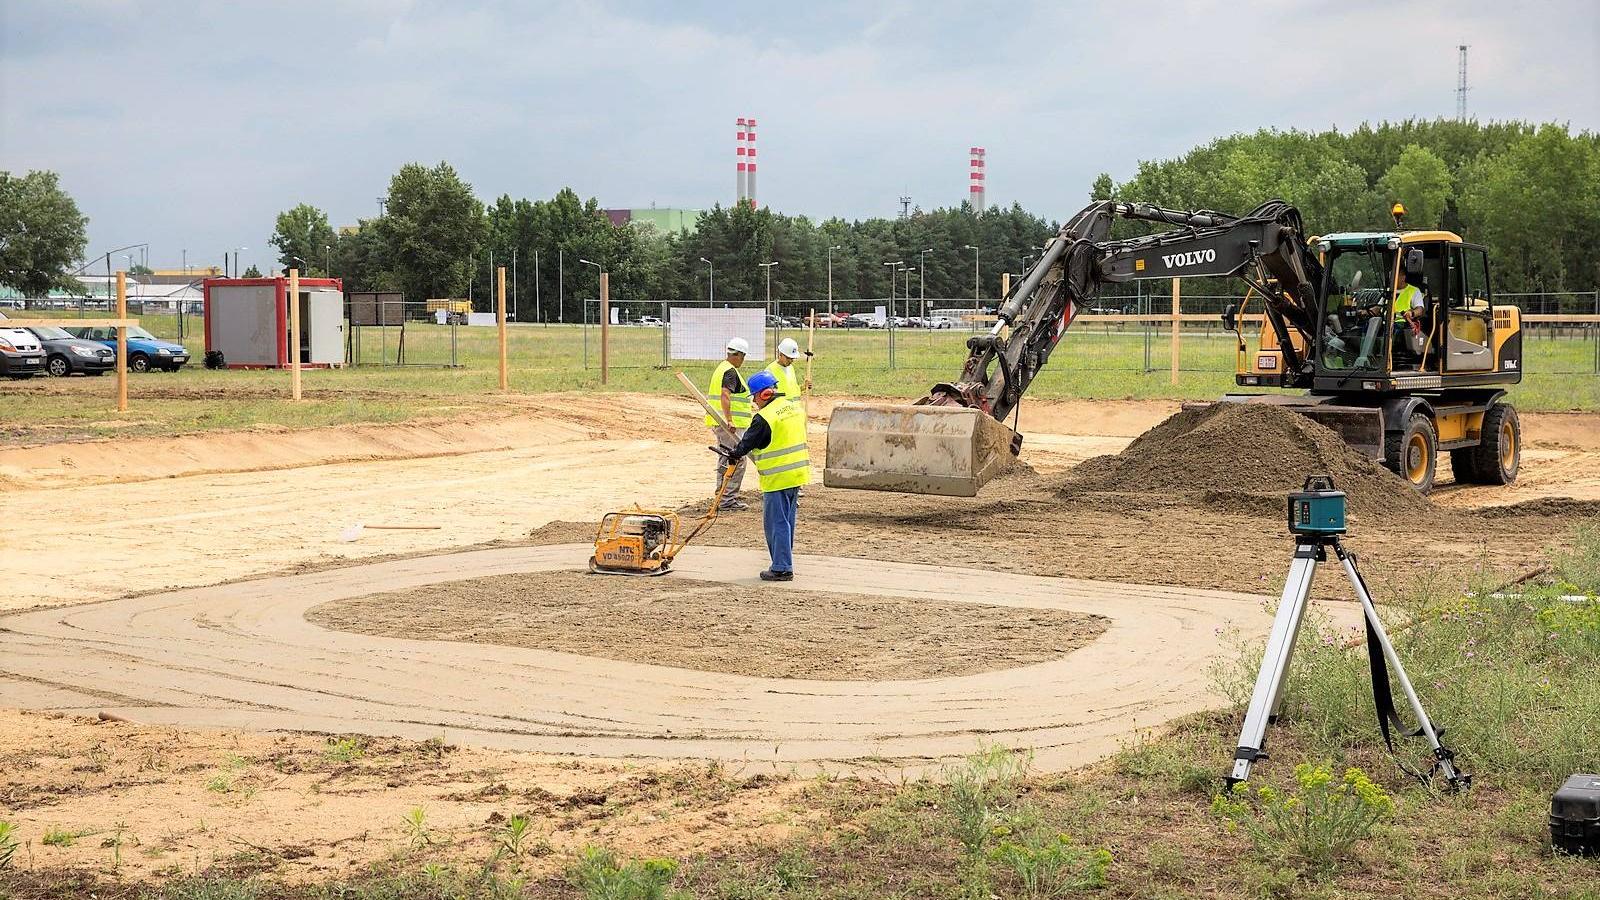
x=1316, y=519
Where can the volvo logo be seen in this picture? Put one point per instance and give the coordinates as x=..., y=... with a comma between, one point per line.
x=1192, y=258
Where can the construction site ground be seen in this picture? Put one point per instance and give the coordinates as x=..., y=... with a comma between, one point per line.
x=200, y=594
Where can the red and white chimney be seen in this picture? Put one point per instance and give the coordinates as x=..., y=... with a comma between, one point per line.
x=750, y=161
x=975, y=178
x=739, y=156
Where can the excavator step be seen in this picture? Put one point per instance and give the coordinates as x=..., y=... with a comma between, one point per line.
x=945, y=450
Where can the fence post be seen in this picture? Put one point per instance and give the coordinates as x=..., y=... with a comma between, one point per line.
x=888, y=325
x=605, y=325
x=500, y=322
x=1143, y=306
x=1176, y=324
x=666, y=347
x=122, y=342
x=294, y=334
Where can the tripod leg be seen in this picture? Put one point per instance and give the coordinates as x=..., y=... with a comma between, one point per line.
x=1446, y=761
x=1275, y=662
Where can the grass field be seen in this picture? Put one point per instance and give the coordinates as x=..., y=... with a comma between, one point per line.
x=1096, y=361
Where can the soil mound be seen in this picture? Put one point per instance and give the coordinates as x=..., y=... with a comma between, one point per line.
x=1244, y=458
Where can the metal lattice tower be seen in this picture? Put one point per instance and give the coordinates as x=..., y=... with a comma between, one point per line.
x=1461, y=85
x=905, y=207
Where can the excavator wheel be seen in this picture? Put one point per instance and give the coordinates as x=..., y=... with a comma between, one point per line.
x=1499, y=453
x=1412, y=452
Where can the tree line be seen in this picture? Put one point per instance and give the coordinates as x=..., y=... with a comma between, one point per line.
x=1530, y=193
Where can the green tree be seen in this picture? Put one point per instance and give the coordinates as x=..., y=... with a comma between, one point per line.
x=1103, y=187
x=432, y=233
x=304, y=232
x=1420, y=180
x=41, y=234
x=252, y=272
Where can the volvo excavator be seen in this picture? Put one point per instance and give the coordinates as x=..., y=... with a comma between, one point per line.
x=1399, y=389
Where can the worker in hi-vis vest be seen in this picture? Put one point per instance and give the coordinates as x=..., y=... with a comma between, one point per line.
x=776, y=440
x=728, y=393
x=783, y=369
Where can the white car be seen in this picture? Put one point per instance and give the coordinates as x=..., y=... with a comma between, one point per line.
x=939, y=322
x=21, y=354
x=653, y=321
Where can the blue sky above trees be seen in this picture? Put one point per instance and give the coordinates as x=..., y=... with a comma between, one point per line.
x=193, y=127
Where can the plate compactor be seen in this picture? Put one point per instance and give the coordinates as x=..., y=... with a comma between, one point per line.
x=643, y=541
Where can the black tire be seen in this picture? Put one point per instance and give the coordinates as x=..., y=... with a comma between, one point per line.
x=138, y=362
x=58, y=366
x=1464, y=463
x=1412, y=452
x=1499, y=453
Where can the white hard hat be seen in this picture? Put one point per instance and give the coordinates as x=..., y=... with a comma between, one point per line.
x=738, y=345
x=789, y=348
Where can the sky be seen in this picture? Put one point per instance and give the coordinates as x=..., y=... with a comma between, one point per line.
x=189, y=126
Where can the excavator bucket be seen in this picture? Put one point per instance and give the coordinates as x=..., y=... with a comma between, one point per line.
x=947, y=450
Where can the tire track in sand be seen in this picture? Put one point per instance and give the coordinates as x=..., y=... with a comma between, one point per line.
x=242, y=655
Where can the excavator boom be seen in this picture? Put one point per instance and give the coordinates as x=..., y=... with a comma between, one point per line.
x=955, y=439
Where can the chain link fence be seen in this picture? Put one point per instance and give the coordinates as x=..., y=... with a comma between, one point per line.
x=1129, y=329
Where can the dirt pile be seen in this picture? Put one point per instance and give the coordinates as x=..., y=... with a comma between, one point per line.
x=1245, y=458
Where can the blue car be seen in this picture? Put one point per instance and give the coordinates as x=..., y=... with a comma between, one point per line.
x=145, y=350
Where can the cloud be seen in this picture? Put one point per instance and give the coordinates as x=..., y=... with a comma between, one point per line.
x=192, y=127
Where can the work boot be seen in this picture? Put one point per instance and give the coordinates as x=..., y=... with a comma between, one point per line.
x=769, y=575
x=733, y=506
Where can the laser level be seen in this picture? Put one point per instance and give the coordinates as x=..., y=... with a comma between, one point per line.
x=1316, y=518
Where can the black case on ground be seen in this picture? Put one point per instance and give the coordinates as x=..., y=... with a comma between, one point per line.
x=1575, y=815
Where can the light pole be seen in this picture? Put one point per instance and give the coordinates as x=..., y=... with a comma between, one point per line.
x=768, y=266
x=599, y=270
x=514, y=283
x=236, y=260
x=327, y=256
x=922, y=281
x=830, y=277
x=711, y=300
x=894, y=277
x=974, y=276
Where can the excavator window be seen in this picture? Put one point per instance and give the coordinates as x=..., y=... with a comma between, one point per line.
x=1355, y=313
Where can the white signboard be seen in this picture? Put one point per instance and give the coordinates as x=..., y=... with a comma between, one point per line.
x=700, y=332
x=483, y=319
x=880, y=315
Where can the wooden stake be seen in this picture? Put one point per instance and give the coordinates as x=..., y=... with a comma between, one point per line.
x=294, y=334
x=500, y=321
x=1176, y=324
x=722, y=426
x=605, y=325
x=811, y=343
x=122, y=342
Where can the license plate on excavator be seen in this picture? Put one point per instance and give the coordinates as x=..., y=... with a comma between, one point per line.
x=946, y=450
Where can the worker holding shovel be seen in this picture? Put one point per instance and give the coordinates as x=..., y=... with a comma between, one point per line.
x=776, y=442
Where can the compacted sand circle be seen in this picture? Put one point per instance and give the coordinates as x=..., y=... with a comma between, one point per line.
x=716, y=626
x=244, y=655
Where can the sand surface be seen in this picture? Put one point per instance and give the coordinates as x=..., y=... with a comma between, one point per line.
x=718, y=627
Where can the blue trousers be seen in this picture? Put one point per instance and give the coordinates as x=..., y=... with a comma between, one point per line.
x=778, y=511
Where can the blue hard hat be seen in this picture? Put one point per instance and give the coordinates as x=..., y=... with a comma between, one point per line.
x=762, y=381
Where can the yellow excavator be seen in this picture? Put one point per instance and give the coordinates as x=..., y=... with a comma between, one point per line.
x=1398, y=387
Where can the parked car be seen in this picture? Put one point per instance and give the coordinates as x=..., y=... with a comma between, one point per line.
x=829, y=320
x=899, y=321
x=145, y=350
x=21, y=356
x=852, y=322
x=65, y=354
x=652, y=321
x=939, y=322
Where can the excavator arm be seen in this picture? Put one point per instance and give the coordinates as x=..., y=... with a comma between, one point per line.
x=954, y=439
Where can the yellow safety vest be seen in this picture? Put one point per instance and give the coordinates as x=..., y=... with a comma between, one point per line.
x=738, y=404
x=788, y=381
x=1403, y=301
x=784, y=462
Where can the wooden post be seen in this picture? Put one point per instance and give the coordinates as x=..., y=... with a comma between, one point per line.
x=605, y=324
x=122, y=342
x=500, y=321
x=1176, y=324
x=811, y=343
x=294, y=334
